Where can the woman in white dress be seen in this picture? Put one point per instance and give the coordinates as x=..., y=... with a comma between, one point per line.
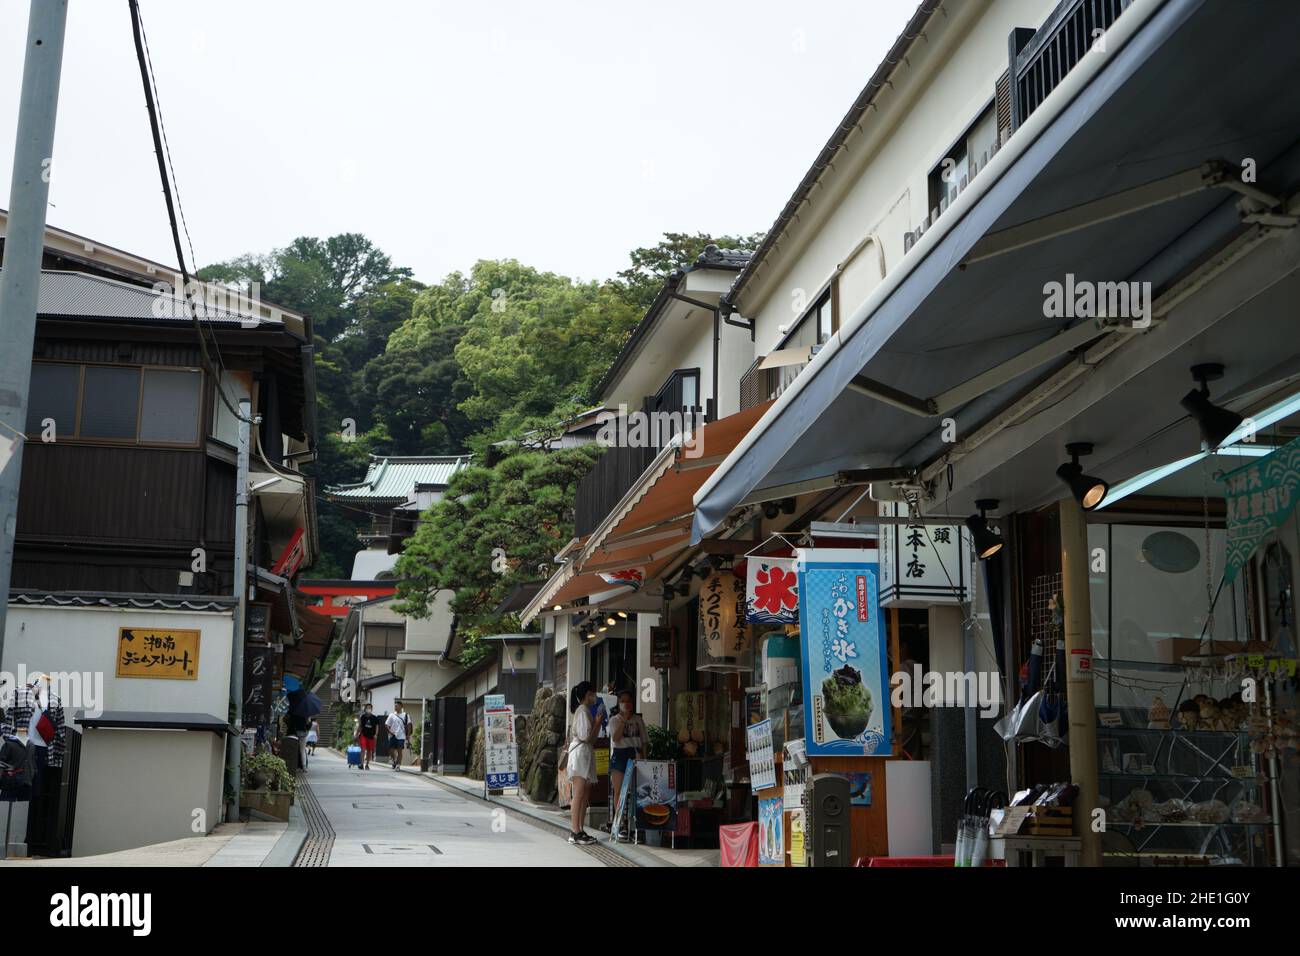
x=585, y=726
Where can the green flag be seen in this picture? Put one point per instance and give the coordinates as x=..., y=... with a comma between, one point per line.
x=1260, y=497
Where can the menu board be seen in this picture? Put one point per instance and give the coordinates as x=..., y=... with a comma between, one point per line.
x=500, y=749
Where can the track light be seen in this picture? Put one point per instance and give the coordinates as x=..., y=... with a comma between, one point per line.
x=556, y=608
x=1216, y=423
x=1087, y=490
x=623, y=614
x=787, y=506
x=611, y=620
x=771, y=510
x=986, y=539
x=601, y=630
x=669, y=593
x=717, y=561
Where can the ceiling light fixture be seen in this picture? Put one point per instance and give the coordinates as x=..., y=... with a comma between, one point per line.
x=986, y=538
x=1216, y=423
x=1087, y=490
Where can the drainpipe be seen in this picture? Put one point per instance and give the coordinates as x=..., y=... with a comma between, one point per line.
x=720, y=314
x=1079, y=689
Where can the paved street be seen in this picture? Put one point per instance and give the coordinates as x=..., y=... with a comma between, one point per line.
x=386, y=818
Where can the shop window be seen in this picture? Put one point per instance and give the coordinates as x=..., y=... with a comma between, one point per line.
x=131, y=404
x=963, y=160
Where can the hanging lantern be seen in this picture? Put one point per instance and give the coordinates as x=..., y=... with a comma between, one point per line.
x=724, y=641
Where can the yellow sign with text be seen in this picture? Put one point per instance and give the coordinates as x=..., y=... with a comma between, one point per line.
x=160, y=654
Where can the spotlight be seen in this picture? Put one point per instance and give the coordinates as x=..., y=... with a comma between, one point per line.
x=987, y=540
x=1087, y=490
x=611, y=621
x=669, y=593
x=1216, y=423
x=771, y=510
x=717, y=561
x=556, y=608
x=687, y=573
x=602, y=630
x=623, y=614
x=787, y=506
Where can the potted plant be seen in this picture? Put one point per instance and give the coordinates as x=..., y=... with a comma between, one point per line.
x=267, y=785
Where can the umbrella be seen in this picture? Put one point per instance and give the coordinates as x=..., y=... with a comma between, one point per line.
x=305, y=704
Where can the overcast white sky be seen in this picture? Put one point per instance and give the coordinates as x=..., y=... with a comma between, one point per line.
x=562, y=134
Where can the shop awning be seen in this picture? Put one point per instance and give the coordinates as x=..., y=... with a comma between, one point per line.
x=1134, y=127
x=651, y=526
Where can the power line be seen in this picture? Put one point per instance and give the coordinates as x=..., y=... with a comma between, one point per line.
x=163, y=155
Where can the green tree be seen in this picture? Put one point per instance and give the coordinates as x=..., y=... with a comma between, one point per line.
x=651, y=265
x=496, y=528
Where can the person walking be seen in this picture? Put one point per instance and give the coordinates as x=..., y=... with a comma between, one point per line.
x=313, y=737
x=627, y=740
x=367, y=729
x=399, y=728
x=582, y=757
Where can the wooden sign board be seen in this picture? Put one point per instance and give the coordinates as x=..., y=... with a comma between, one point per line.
x=158, y=654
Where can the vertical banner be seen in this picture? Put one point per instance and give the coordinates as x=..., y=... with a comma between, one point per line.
x=500, y=754
x=723, y=634
x=772, y=591
x=846, y=699
x=259, y=662
x=1260, y=497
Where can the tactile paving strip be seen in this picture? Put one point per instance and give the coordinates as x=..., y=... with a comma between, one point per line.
x=317, y=847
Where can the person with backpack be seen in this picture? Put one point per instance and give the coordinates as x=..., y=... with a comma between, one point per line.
x=399, y=729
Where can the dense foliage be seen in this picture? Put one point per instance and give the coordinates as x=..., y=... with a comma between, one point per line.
x=489, y=363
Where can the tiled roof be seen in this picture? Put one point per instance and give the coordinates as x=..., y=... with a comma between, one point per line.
x=76, y=294
x=395, y=478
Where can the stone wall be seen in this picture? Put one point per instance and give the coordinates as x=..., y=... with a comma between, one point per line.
x=540, y=740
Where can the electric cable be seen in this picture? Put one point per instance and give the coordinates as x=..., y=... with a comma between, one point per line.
x=162, y=154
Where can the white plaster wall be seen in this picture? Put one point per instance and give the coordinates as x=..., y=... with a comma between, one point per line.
x=139, y=787
x=85, y=640
x=936, y=98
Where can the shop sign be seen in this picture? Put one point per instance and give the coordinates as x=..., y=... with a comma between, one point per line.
x=494, y=701
x=160, y=654
x=259, y=666
x=846, y=704
x=922, y=563
x=773, y=591
x=656, y=794
x=1260, y=497
x=722, y=617
x=257, y=623
x=292, y=557
x=758, y=750
x=663, y=648
x=500, y=753
x=771, y=838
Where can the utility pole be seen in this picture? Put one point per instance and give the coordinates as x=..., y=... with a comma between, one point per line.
x=235, y=747
x=1079, y=686
x=20, y=277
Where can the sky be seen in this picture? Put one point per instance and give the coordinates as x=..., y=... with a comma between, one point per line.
x=558, y=133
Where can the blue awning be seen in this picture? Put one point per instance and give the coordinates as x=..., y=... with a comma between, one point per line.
x=1198, y=81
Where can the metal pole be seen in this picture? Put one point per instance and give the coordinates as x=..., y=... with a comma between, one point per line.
x=1078, y=686
x=29, y=193
x=234, y=752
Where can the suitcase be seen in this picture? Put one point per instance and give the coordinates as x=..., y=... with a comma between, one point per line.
x=354, y=756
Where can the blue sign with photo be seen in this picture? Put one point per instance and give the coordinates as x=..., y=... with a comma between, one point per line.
x=846, y=699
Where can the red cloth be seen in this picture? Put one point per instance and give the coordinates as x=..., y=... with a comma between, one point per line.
x=739, y=843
